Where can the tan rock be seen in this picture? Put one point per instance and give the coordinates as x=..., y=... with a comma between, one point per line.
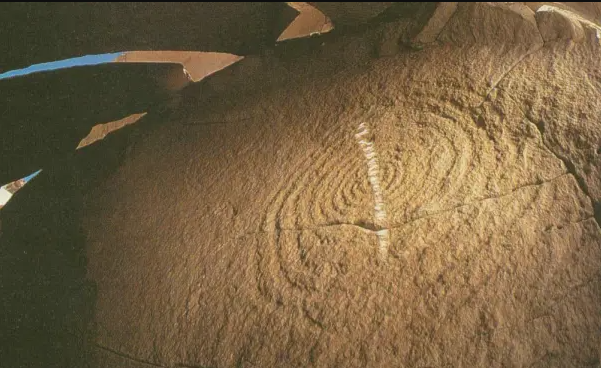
x=591, y=11
x=429, y=209
x=557, y=25
x=441, y=16
x=492, y=23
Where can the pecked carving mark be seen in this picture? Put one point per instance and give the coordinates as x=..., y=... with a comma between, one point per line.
x=373, y=175
x=372, y=228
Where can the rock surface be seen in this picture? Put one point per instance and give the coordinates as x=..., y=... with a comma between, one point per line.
x=434, y=208
x=591, y=11
x=555, y=24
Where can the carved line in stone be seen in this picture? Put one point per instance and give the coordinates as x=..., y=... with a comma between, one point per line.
x=373, y=176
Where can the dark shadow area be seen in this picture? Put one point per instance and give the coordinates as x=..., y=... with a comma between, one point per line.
x=419, y=13
x=48, y=113
x=41, y=32
x=46, y=301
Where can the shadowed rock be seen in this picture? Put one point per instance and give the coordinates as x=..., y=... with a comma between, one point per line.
x=43, y=32
x=46, y=300
x=351, y=13
x=48, y=113
x=197, y=64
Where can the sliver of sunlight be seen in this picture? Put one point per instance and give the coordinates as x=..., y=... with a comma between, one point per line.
x=310, y=21
x=8, y=190
x=5, y=196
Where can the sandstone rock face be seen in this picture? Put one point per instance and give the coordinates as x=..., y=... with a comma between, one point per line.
x=591, y=11
x=439, y=19
x=489, y=236
x=555, y=24
x=434, y=208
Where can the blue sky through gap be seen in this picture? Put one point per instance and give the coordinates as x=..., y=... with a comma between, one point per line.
x=28, y=178
x=60, y=64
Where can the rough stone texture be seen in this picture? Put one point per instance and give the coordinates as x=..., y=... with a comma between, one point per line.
x=488, y=23
x=245, y=229
x=567, y=118
x=554, y=25
x=591, y=8
x=436, y=23
x=591, y=11
x=48, y=113
x=43, y=32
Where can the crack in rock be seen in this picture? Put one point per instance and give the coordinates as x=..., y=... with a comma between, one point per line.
x=127, y=356
x=571, y=167
x=142, y=361
x=511, y=192
x=373, y=228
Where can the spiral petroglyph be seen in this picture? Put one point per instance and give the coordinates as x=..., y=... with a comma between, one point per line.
x=248, y=230
x=447, y=161
x=282, y=241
